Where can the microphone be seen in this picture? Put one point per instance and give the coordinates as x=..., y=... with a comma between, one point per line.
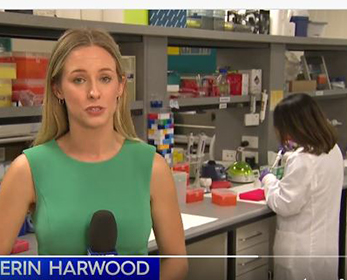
x=102, y=234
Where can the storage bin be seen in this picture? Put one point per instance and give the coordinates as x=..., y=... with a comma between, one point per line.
x=69, y=13
x=112, y=15
x=5, y=93
x=126, y=16
x=168, y=18
x=90, y=14
x=28, y=92
x=28, y=65
x=8, y=71
x=315, y=28
x=301, y=24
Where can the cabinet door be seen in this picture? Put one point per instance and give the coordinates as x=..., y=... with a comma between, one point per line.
x=208, y=268
x=260, y=273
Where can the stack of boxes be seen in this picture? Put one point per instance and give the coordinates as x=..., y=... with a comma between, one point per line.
x=7, y=74
x=161, y=133
x=31, y=69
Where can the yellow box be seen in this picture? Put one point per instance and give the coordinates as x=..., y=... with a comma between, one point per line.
x=5, y=93
x=8, y=71
x=173, y=50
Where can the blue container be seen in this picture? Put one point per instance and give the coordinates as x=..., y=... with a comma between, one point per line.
x=301, y=24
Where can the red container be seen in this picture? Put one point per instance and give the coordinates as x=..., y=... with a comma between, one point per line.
x=20, y=246
x=195, y=195
x=221, y=185
x=223, y=197
x=28, y=92
x=29, y=65
x=235, y=81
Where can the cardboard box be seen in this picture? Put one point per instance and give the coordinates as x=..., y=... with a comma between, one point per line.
x=304, y=85
x=254, y=80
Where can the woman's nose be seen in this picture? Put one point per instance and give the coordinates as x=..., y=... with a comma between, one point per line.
x=93, y=92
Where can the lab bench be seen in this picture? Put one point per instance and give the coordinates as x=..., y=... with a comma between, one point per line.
x=244, y=229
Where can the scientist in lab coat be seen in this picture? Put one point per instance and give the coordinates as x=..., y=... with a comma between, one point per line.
x=307, y=198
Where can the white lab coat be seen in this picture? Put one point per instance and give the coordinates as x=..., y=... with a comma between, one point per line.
x=307, y=203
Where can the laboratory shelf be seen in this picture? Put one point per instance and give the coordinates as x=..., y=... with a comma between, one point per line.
x=24, y=138
x=209, y=102
x=321, y=94
x=40, y=27
x=14, y=112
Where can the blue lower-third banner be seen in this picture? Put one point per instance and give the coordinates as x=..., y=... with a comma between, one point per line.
x=51, y=268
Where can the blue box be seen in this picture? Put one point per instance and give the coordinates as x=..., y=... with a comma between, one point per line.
x=168, y=18
x=301, y=25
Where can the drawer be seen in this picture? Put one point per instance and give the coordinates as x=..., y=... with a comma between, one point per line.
x=260, y=273
x=252, y=234
x=244, y=265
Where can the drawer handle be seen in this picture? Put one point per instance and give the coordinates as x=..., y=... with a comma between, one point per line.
x=249, y=262
x=258, y=233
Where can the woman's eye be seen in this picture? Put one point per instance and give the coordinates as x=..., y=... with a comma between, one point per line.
x=106, y=79
x=78, y=80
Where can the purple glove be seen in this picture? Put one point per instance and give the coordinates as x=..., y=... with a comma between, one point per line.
x=263, y=174
x=290, y=145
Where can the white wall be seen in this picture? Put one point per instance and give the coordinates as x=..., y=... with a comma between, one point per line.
x=336, y=19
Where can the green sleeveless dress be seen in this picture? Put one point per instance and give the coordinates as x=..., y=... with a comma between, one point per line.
x=68, y=192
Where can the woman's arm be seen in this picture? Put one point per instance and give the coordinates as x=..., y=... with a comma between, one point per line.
x=167, y=223
x=286, y=197
x=17, y=194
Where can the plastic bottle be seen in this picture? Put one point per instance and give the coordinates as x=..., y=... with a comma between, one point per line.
x=223, y=84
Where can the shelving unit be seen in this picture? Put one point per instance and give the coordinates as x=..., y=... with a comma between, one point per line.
x=149, y=45
x=242, y=51
x=324, y=94
x=209, y=102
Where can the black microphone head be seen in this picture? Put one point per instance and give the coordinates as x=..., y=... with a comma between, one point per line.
x=103, y=232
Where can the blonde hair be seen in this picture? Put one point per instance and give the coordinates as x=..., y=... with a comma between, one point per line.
x=54, y=115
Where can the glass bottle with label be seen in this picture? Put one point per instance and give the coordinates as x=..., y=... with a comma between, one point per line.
x=223, y=84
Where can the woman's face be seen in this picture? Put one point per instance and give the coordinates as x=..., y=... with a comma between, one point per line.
x=90, y=87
